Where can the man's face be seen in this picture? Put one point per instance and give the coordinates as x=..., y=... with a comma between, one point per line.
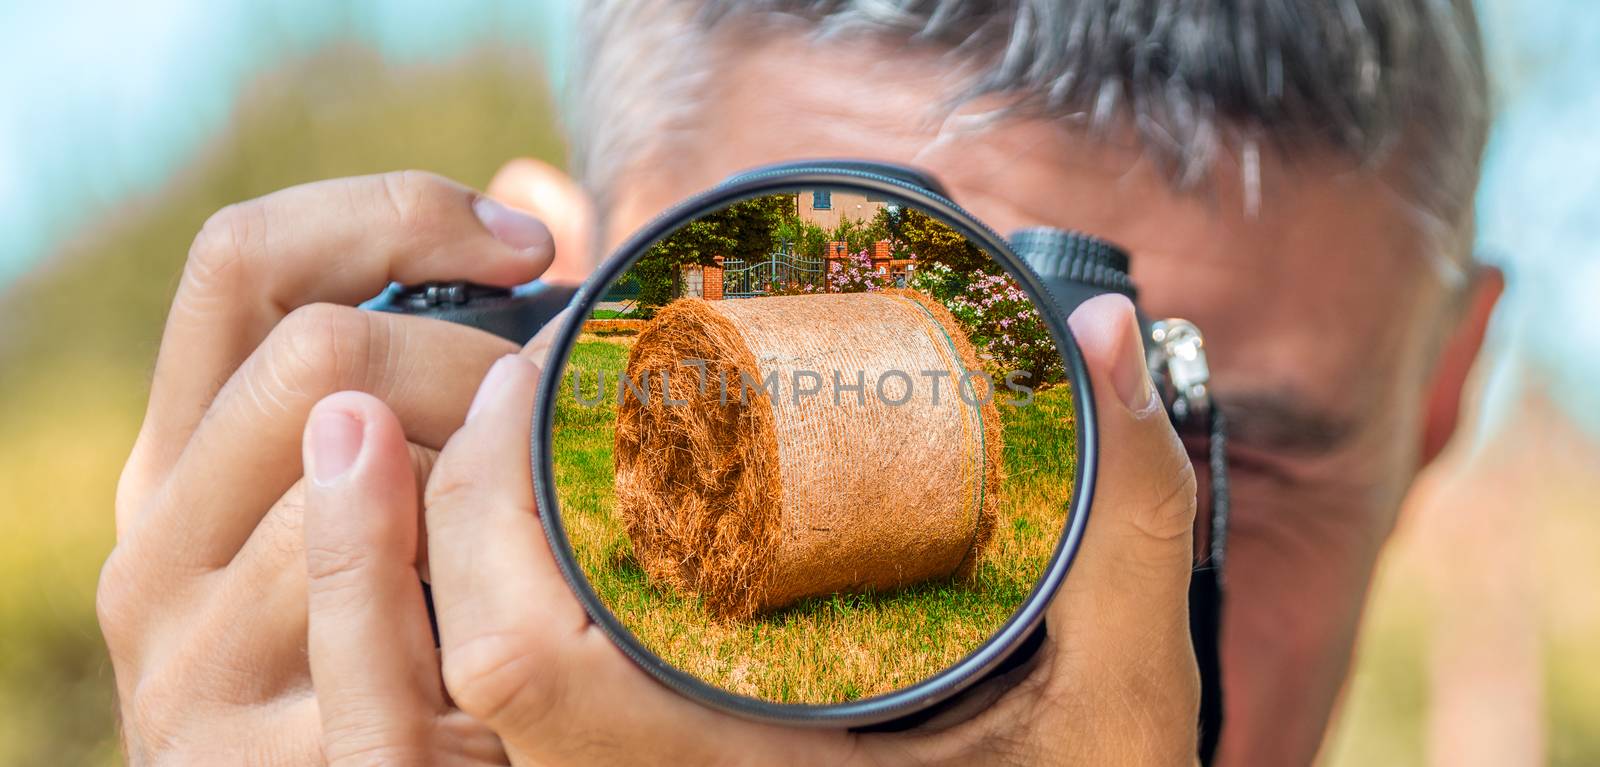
x=1321, y=317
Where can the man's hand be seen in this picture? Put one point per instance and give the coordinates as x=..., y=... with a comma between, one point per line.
x=1115, y=684
x=204, y=600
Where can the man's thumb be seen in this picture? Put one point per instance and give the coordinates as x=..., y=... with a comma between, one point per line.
x=1121, y=622
x=1141, y=524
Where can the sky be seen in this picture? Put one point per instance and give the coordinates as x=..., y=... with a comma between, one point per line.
x=101, y=100
x=105, y=99
x=1539, y=204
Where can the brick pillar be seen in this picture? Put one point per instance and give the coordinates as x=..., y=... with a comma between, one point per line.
x=711, y=280
x=881, y=257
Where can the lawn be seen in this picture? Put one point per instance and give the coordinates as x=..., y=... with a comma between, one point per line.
x=837, y=648
x=613, y=314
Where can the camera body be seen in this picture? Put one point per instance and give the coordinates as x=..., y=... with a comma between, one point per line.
x=515, y=314
x=1070, y=268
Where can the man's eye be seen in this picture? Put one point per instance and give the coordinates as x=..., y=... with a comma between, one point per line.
x=1279, y=425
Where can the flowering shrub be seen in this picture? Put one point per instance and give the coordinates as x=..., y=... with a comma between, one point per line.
x=855, y=274
x=999, y=318
x=938, y=281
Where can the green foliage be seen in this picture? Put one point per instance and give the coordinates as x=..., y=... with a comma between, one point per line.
x=940, y=282
x=858, y=235
x=657, y=273
x=931, y=240
x=744, y=230
x=807, y=239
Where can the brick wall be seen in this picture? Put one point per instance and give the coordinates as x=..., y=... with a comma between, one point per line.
x=880, y=252
x=881, y=257
x=712, y=281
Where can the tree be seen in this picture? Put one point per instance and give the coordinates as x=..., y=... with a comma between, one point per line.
x=744, y=230
x=807, y=239
x=933, y=241
x=858, y=235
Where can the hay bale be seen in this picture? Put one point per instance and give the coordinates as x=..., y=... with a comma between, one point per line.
x=753, y=501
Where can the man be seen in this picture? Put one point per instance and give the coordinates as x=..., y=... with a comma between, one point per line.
x=1295, y=176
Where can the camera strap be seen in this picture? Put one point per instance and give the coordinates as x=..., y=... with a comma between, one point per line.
x=1177, y=359
x=1206, y=590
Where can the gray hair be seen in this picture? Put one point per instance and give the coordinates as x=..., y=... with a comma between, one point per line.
x=1396, y=83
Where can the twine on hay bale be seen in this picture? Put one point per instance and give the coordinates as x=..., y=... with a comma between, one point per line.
x=752, y=502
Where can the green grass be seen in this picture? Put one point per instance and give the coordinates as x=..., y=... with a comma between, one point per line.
x=830, y=649
x=613, y=314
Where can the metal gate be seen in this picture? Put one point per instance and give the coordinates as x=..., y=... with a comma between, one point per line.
x=743, y=279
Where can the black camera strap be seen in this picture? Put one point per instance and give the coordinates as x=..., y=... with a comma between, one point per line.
x=1206, y=590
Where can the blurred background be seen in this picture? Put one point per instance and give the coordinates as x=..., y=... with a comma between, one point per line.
x=123, y=128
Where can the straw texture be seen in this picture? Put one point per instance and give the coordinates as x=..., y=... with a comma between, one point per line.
x=750, y=492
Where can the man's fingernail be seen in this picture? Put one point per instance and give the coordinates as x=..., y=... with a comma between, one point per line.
x=1131, y=375
x=512, y=226
x=1109, y=324
x=493, y=383
x=336, y=438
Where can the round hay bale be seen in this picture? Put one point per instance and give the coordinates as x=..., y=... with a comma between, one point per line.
x=752, y=495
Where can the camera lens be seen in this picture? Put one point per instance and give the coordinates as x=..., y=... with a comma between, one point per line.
x=815, y=449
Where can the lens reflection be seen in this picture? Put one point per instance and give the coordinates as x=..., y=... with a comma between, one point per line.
x=813, y=447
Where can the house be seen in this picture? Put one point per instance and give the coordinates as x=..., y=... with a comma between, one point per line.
x=826, y=207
